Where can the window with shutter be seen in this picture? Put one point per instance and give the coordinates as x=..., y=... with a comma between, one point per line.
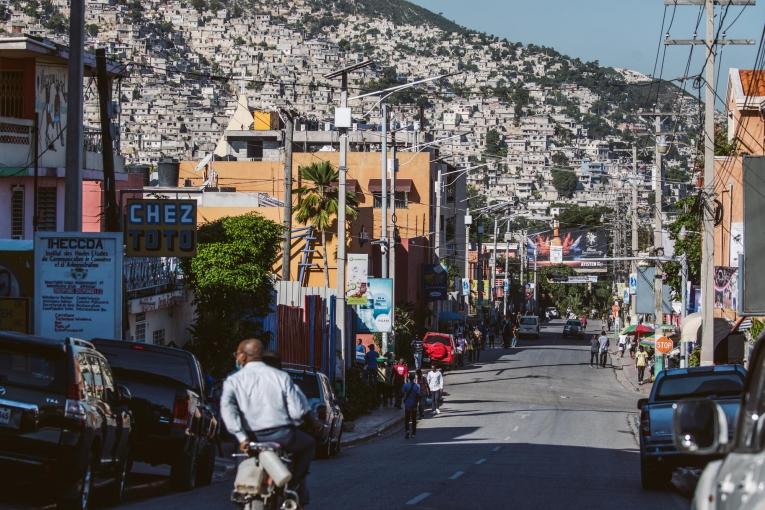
x=46, y=209
x=17, y=212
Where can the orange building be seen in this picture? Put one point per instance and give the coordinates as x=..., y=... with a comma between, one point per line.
x=745, y=104
x=245, y=186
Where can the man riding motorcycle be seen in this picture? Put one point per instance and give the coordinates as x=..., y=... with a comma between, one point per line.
x=261, y=403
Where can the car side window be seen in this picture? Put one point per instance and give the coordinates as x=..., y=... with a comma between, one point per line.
x=751, y=426
x=87, y=373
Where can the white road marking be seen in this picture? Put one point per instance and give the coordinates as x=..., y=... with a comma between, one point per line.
x=496, y=448
x=508, y=437
x=480, y=461
x=524, y=416
x=456, y=475
x=515, y=429
x=418, y=499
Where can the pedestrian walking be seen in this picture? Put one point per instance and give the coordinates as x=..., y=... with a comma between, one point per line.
x=479, y=347
x=417, y=350
x=469, y=349
x=400, y=374
x=419, y=378
x=371, y=365
x=641, y=360
x=604, y=343
x=507, y=334
x=435, y=381
x=633, y=346
x=622, y=345
x=360, y=351
x=410, y=393
x=460, y=349
x=594, y=348
x=514, y=342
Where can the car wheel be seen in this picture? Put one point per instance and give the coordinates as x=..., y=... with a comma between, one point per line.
x=183, y=472
x=206, y=467
x=337, y=444
x=652, y=476
x=79, y=496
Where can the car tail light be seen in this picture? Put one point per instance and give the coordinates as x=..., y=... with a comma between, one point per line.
x=321, y=412
x=181, y=411
x=645, y=424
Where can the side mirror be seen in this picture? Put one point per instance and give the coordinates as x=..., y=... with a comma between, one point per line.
x=642, y=402
x=122, y=394
x=699, y=427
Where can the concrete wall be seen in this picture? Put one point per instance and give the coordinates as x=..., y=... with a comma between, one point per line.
x=173, y=312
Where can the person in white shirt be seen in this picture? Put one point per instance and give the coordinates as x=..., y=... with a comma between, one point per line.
x=604, y=343
x=622, y=345
x=435, y=382
x=261, y=403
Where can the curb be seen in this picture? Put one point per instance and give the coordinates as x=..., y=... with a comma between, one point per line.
x=378, y=431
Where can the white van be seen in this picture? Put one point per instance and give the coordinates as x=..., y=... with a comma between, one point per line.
x=529, y=326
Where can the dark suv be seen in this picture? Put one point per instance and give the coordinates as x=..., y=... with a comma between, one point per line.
x=62, y=418
x=318, y=390
x=173, y=423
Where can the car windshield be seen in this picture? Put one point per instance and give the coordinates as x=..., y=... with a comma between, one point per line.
x=170, y=365
x=700, y=385
x=437, y=339
x=573, y=323
x=38, y=369
x=307, y=383
x=529, y=321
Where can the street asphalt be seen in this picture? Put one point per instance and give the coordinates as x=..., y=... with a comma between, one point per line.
x=534, y=427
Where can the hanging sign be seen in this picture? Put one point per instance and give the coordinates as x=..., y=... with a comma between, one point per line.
x=161, y=228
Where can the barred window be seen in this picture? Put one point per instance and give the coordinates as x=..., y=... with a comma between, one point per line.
x=11, y=94
x=46, y=209
x=17, y=212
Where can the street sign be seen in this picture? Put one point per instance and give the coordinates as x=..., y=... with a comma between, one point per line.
x=465, y=287
x=664, y=345
x=633, y=283
x=161, y=228
x=78, y=284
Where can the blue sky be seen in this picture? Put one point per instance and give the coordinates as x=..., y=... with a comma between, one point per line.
x=619, y=33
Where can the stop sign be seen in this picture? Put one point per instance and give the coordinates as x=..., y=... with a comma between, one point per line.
x=664, y=345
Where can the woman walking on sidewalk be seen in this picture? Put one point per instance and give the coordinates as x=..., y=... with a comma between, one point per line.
x=641, y=360
x=410, y=393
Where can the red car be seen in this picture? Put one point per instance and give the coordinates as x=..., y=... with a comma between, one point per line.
x=439, y=349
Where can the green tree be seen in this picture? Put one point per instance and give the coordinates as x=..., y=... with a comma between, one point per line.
x=688, y=243
x=318, y=203
x=574, y=216
x=495, y=143
x=559, y=158
x=722, y=146
x=565, y=182
x=231, y=278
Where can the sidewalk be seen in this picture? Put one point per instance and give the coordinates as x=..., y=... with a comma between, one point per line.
x=372, y=425
x=626, y=373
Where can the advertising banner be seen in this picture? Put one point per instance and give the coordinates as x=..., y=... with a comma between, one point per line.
x=375, y=315
x=465, y=287
x=78, y=284
x=357, y=285
x=576, y=246
x=435, y=282
x=161, y=228
x=726, y=287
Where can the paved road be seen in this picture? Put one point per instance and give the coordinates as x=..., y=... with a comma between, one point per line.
x=534, y=427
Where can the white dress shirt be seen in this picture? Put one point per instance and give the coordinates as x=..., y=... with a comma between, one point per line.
x=263, y=397
x=435, y=380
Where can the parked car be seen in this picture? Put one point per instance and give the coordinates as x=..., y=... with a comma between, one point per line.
x=528, y=326
x=439, y=349
x=573, y=328
x=659, y=456
x=737, y=479
x=552, y=312
x=63, y=420
x=324, y=405
x=173, y=423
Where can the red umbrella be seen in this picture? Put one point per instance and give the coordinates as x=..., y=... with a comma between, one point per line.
x=643, y=329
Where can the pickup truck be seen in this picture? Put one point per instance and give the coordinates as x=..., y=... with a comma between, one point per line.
x=439, y=349
x=658, y=454
x=172, y=422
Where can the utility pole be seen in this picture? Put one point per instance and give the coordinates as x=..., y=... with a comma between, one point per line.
x=437, y=237
x=507, y=269
x=634, y=240
x=493, y=284
x=524, y=256
x=479, y=270
x=36, y=149
x=384, y=206
x=343, y=121
x=74, y=138
x=111, y=212
x=468, y=221
x=393, y=169
x=658, y=282
x=289, y=130
x=707, y=224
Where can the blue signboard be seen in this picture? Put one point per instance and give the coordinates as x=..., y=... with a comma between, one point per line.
x=375, y=315
x=435, y=282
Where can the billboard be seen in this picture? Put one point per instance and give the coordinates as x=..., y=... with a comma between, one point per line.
x=357, y=285
x=726, y=287
x=161, y=228
x=646, y=299
x=751, y=283
x=78, y=284
x=576, y=246
x=375, y=315
x=435, y=282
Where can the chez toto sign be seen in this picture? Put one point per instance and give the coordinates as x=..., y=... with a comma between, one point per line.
x=664, y=345
x=161, y=228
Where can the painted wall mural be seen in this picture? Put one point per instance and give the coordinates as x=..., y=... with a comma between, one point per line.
x=52, y=90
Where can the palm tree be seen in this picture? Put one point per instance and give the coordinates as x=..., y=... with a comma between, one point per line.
x=318, y=203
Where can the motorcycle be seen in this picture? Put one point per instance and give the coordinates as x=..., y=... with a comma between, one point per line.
x=262, y=478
